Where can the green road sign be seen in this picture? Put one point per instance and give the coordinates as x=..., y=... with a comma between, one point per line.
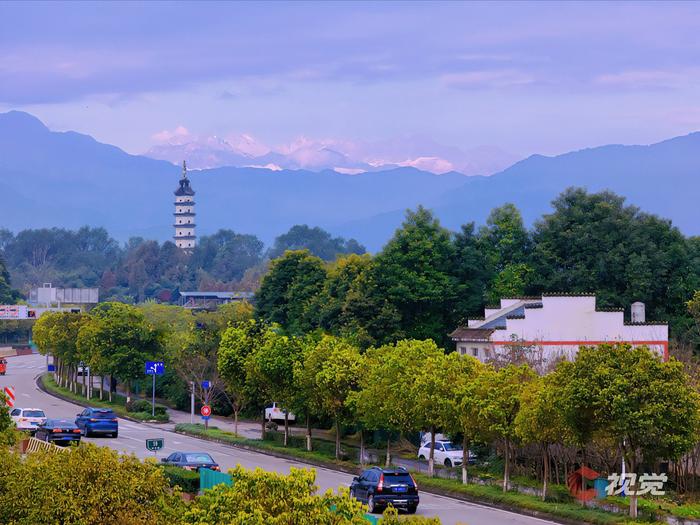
x=154, y=444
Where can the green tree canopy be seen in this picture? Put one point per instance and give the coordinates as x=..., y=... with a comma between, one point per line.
x=414, y=273
x=288, y=291
x=318, y=241
x=646, y=405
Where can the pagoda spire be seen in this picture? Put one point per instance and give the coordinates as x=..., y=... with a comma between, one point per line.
x=184, y=169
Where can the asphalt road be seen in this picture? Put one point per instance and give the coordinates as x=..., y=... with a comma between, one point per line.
x=22, y=372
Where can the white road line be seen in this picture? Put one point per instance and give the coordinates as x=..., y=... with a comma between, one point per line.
x=25, y=394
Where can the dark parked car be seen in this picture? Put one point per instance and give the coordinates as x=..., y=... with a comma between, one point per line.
x=59, y=431
x=98, y=421
x=191, y=460
x=379, y=487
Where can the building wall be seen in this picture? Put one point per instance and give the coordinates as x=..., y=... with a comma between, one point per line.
x=565, y=323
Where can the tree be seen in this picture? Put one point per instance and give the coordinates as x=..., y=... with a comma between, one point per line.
x=276, y=499
x=271, y=365
x=470, y=269
x=497, y=396
x=56, y=333
x=330, y=372
x=431, y=390
x=384, y=401
x=414, y=273
x=506, y=245
x=647, y=406
x=317, y=241
x=238, y=342
x=540, y=421
x=90, y=485
x=594, y=243
x=288, y=290
x=7, y=294
x=457, y=408
x=119, y=341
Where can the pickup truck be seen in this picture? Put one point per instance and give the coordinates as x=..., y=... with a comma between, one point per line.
x=274, y=412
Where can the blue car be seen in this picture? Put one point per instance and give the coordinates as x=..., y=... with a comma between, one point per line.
x=98, y=421
x=58, y=431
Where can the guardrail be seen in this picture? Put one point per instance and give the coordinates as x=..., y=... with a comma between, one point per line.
x=34, y=445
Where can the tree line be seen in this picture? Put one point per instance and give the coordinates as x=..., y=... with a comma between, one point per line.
x=426, y=279
x=142, y=269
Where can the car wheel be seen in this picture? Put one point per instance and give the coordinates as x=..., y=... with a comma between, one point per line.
x=412, y=510
x=421, y=457
x=448, y=463
x=115, y=435
x=352, y=493
x=370, y=505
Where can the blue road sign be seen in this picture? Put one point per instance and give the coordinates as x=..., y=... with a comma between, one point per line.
x=155, y=368
x=206, y=384
x=52, y=368
x=206, y=418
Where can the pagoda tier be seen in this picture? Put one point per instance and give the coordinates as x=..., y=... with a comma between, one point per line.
x=184, y=225
x=184, y=213
x=184, y=237
x=184, y=203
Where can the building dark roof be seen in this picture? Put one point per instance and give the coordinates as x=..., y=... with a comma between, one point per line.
x=471, y=334
x=184, y=188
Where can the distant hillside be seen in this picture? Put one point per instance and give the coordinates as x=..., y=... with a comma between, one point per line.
x=662, y=178
x=69, y=179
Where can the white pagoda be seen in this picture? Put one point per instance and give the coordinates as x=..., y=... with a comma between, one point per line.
x=185, y=237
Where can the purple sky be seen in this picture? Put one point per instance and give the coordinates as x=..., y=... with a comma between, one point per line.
x=526, y=77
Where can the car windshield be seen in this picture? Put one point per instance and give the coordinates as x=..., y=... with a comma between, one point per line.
x=397, y=478
x=34, y=413
x=451, y=446
x=104, y=414
x=198, y=458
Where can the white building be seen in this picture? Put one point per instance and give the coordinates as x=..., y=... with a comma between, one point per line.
x=557, y=325
x=185, y=237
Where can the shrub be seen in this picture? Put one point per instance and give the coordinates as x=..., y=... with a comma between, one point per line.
x=88, y=486
x=274, y=499
x=187, y=480
x=138, y=405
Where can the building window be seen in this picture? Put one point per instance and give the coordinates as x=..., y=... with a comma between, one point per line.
x=475, y=352
x=462, y=350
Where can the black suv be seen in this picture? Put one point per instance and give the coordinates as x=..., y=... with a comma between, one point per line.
x=379, y=487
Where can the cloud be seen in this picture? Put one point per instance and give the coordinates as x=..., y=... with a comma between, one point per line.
x=179, y=135
x=487, y=79
x=650, y=79
x=432, y=164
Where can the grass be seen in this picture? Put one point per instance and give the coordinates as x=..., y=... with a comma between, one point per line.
x=118, y=404
x=216, y=433
x=494, y=495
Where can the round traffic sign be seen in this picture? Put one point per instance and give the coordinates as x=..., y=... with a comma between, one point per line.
x=205, y=410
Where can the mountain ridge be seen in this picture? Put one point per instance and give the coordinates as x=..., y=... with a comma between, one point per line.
x=69, y=179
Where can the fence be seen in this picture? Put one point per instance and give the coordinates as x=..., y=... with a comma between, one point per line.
x=34, y=445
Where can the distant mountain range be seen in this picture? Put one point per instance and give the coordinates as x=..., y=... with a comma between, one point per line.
x=68, y=179
x=347, y=157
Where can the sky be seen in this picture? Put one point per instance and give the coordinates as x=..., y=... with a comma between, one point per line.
x=541, y=77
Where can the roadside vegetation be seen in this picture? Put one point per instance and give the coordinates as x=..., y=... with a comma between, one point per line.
x=359, y=346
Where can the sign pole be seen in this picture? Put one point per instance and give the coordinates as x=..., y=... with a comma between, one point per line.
x=153, y=404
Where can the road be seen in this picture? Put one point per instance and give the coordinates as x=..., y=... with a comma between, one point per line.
x=22, y=372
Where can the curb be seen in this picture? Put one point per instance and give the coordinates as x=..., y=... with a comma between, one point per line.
x=40, y=385
x=430, y=490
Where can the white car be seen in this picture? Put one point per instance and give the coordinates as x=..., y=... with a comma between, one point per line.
x=28, y=419
x=446, y=453
x=274, y=412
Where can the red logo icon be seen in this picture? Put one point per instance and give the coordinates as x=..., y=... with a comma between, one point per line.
x=205, y=410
